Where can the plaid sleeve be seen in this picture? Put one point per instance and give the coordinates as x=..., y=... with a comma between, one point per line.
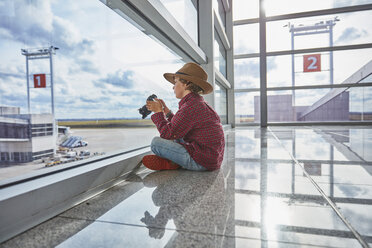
x=177, y=128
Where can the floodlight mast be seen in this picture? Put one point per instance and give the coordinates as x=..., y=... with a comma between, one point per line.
x=317, y=28
x=39, y=53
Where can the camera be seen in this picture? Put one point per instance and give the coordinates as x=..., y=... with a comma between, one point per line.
x=143, y=110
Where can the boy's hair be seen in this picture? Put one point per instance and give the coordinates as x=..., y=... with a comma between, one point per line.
x=192, y=87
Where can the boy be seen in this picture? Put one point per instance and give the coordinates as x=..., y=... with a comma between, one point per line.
x=192, y=138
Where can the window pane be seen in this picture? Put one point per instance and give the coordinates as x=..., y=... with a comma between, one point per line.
x=247, y=107
x=275, y=7
x=102, y=76
x=339, y=104
x=221, y=102
x=247, y=73
x=345, y=64
x=246, y=39
x=186, y=14
x=220, y=54
x=243, y=9
x=348, y=29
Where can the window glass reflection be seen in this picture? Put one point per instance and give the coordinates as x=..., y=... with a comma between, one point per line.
x=186, y=14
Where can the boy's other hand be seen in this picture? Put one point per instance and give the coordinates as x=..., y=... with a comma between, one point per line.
x=165, y=108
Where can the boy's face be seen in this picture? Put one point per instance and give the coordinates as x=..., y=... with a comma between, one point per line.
x=179, y=88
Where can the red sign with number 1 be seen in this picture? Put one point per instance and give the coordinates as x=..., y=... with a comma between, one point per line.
x=39, y=81
x=312, y=63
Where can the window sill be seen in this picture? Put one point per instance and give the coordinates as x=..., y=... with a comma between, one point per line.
x=30, y=200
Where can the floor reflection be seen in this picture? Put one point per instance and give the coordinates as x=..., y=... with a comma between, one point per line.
x=188, y=198
x=269, y=192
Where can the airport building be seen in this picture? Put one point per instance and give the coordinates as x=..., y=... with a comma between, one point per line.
x=24, y=138
x=292, y=85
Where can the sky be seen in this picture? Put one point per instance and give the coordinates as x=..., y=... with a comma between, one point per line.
x=106, y=68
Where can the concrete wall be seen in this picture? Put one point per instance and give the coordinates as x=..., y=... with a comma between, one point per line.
x=279, y=108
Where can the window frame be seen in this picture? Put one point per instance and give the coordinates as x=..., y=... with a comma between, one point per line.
x=263, y=54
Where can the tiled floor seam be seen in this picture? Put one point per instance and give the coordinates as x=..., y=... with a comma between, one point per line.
x=329, y=201
x=187, y=231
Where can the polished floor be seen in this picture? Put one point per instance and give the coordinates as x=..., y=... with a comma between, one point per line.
x=278, y=187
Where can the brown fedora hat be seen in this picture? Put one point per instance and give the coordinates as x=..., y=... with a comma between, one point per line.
x=194, y=73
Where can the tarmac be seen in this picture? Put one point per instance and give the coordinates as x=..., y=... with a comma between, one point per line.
x=100, y=140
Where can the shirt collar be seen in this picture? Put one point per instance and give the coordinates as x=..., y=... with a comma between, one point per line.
x=189, y=97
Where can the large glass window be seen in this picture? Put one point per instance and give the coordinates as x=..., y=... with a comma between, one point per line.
x=186, y=14
x=304, y=71
x=102, y=76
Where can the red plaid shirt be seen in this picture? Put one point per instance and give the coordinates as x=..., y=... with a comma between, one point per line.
x=199, y=126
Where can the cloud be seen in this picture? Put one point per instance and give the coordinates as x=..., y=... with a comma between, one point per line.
x=6, y=76
x=89, y=80
x=83, y=65
x=46, y=29
x=123, y=79
x=350, y=34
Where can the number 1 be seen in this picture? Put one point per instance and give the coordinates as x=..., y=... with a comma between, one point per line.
x=38, y=80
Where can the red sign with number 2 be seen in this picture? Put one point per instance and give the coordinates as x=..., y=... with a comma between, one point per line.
x=312, y=63
x=39, y=81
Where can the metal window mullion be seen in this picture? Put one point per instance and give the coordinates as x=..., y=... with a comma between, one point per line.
x=332, y=11
x=223, y=81
x=230, y=68
x=221, y=32
x=307, y=87
x=306, y=50
x=263, y=62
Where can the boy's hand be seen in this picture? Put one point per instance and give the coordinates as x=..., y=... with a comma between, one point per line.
x=154, y=106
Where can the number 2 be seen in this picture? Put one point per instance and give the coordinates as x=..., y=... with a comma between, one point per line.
x=313, y=65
